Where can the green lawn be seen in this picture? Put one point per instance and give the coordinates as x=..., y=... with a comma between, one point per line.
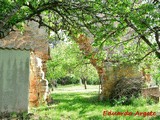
x=80, y=105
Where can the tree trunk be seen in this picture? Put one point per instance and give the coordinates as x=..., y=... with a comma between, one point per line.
x=85, y=84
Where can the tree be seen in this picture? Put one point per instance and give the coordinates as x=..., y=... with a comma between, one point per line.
x=124, y=25
x=106, y=23
x=63, y=60
x=68, y=61
x=86, y=73
x=129, y=31
x=100, y=18
x=54, y=14
x=129, y=21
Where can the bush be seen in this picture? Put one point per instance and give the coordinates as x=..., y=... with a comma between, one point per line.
x=140, y=101
x=67, y=80
x=93, y=82
x=119, y=101
x=73, y=80
x=124, y=90
x=135, y=101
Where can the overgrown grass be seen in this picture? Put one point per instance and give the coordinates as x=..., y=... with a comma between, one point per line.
x=86, y=106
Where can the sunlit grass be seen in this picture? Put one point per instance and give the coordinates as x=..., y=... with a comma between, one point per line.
x=76, y=88
x=86, y=106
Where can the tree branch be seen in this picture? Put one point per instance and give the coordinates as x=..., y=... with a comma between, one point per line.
x=136, y=30
x=157, y=38
x=146, y=55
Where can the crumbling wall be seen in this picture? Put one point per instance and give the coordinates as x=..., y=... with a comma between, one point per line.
x=109, y=73
x=152, y=92
x=38, y=91
x=116, y=72
x=33, y=89
x=147, y=92
x=33, y=39
x=146, y=75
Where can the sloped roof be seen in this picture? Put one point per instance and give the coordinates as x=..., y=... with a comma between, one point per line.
x=33, y=39
x=17, y=40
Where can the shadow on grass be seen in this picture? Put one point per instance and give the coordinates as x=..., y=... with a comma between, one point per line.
x=83, y=106
x=82, y=102
x=80, y=98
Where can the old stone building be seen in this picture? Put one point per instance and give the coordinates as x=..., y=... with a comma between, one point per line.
x=33, y=39
x=120, y=72
x=110, y=71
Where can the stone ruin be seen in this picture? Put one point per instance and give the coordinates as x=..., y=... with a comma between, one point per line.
x=39, y=90
x=122, y=80
x=152, y=92
x=126, y=81
x=150, y=88
x=33, y=39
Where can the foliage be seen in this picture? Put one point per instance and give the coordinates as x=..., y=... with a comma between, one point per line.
x=62, y=61
x=135, y=101
x=69, y=65
x=129, y=32
x=141, y=101
x=155, y=71
x=88, y=72
x=152, y=66
x=110, y=23
x=68, y=80
x=14, y=115
x=54, y=14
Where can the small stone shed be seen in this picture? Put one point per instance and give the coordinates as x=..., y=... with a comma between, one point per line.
x=23, y=60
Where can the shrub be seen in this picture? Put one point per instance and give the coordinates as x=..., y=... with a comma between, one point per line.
x=134, y=101
x=140, y=101
x=125, y=89
x=119, y=101
x=93, y=81
x=67, y=80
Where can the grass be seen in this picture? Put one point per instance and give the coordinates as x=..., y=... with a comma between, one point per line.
x=86, y=106
x=76, y=88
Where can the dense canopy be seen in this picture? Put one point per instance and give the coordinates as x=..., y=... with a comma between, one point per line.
x=109, y=22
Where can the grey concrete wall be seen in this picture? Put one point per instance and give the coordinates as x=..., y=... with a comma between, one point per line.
x=14, y=80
